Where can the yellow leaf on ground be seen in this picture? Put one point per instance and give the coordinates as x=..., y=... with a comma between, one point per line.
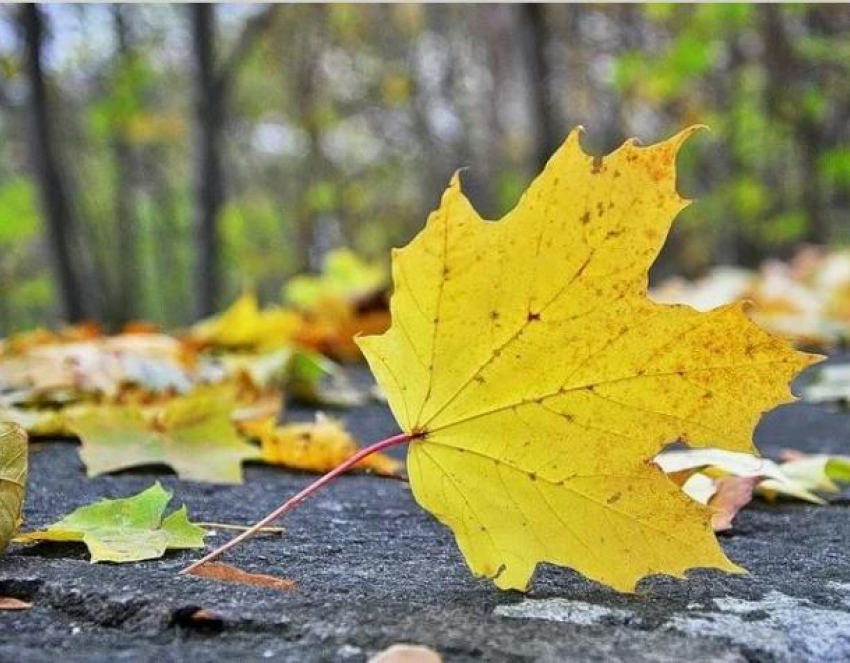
x=540, y=381
x=13, y=479
x=346, y=299
x=194, y=435
x=244, y=325
x=314, y=447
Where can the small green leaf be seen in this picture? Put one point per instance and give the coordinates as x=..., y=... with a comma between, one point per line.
x=126, y=530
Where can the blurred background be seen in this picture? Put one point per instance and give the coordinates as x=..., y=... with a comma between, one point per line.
x=156, y=160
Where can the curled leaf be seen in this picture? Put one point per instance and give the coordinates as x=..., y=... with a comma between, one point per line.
x=725, y=496
x=13, y=479
x=719, y=462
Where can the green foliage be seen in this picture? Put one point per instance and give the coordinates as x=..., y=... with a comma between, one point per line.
x=19, y=218
x=343, y=124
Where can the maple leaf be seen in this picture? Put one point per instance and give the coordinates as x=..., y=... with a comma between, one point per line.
x=315, y=447
x=194, y=435
x=243, y=324
x=537, y=380
x=344, y=277
x=13, y=479
x=347, y=298
x=130, y=529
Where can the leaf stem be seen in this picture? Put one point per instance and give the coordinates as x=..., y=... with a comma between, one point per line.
x=295, y=500
x=239, y=528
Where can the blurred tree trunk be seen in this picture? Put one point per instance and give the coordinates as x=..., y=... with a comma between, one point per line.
x=56, y=207
x=534, y=38
x=209, y=176
x=788, y=79
x=304, y=221
x=212, y=87
x=128, y=296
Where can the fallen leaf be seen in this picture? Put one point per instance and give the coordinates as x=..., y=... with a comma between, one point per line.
x=97, y=367
x=806, y=299
x=720, y=462
x=245, y=325
x=9, y=603
x=725, y=496
x=314, y=447
x=402, y=653
x=316, y=380
x=194, y=435
x=346, y=299
x=227, y=573
x=24, y=341
x=13, y=479
x=818, y=471
x=732, y=495
x=125, y=530
x=344, y=276
x=41, y=422
x=538, y=381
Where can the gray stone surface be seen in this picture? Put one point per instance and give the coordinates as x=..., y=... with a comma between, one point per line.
x=373, y=569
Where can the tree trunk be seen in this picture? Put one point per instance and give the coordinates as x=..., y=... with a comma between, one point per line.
x=126, y=303
x=209, y=176
x=785, y=71
x=55, y=204
x=534, y=38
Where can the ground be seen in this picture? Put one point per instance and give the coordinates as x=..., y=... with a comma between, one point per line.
x=373, y=569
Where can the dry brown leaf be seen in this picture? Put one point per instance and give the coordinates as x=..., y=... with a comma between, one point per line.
x=731, y=495
x=403, y=653
x=9, y=603
x=227, y=573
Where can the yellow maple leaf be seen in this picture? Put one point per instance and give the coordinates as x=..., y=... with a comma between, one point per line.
x=244, y=324
x=193, y=434
x=316, y=447
x=13, y=479
x=538, y=381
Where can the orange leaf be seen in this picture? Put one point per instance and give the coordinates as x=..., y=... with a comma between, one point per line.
x=227, y=573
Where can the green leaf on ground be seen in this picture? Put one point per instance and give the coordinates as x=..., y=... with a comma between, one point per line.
x=126, y=530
